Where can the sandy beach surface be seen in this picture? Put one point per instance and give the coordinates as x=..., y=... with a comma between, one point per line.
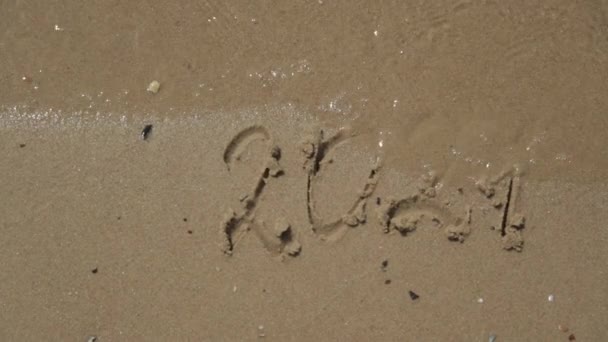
x=304, y=170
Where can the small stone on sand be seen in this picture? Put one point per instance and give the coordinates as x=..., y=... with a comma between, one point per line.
x=293, y=248
x=518, y=221
x=282, y=228
x=154, y=87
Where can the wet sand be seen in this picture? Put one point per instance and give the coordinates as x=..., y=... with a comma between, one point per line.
x=314, y=170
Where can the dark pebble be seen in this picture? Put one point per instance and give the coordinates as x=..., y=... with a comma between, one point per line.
x=413, y=295
x=94, y=271
x=146, y=132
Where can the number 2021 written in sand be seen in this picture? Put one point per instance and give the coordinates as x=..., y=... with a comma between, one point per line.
x=403, y=215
